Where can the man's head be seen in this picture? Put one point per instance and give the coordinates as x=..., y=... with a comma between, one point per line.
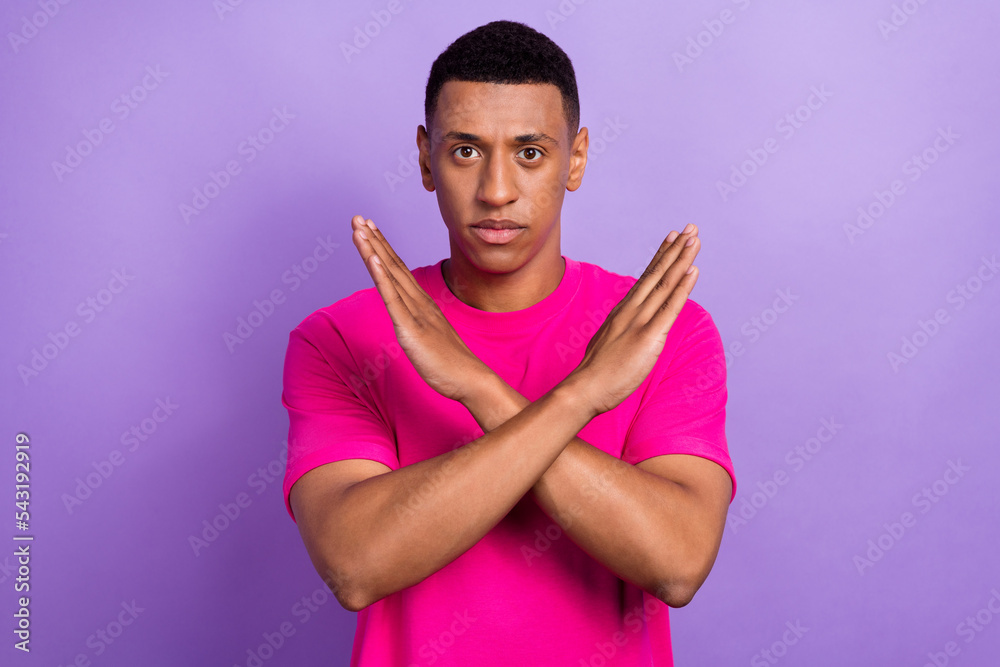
x=505, y=52
x=502, y=142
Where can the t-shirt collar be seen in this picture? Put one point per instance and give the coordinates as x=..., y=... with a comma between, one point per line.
x=457, y=311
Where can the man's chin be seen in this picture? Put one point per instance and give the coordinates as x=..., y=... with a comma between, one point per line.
x=495, y=259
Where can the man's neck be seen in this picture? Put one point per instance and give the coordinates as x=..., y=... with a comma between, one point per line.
x=503, y=292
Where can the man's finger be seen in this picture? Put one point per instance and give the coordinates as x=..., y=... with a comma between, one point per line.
x=384, y=283
x=409, y=290
x=665, y=257
x=662, y=291
x=664, y=318
x=371, y=246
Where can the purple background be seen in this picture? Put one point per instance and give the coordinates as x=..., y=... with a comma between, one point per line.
x=672, y=131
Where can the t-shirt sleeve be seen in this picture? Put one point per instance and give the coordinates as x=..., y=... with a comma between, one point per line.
x=685, y=413
x=328, y=420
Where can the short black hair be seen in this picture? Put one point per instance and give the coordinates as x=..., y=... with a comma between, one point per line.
x=505, y=52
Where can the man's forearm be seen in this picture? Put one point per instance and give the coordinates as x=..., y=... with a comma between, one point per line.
x=639, y=525
x=394, y=530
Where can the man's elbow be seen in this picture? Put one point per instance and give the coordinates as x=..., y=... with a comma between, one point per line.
x=352, y=602
x=678, y=589
x=345, y=587
x=355, y=576
x=676, y=594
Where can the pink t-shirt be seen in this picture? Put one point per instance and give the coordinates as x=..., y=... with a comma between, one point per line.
x=524, y=594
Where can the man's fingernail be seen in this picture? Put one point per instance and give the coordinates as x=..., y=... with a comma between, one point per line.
x=689, y=228
x=671, y=236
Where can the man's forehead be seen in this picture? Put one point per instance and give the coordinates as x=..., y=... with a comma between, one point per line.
x=465, y=108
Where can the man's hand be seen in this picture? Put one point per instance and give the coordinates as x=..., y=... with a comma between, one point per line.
x=430, y=341
x=623, y=351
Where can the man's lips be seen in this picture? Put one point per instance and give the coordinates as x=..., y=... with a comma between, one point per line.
x=497, y=235
x=497, y=223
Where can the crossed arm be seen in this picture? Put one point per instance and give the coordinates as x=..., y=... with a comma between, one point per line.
x=657, y=524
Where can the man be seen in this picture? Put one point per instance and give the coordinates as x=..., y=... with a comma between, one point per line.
x=509, y=457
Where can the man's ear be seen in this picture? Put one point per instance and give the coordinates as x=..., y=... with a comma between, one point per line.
x=578, y=159
x=424, y=146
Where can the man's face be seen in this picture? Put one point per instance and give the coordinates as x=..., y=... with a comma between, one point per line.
x=501, y=152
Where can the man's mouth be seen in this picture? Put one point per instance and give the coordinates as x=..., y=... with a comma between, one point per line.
x=497, y=223
x=497, y=231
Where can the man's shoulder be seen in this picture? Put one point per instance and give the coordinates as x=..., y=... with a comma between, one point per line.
x=354, y=308
x=362, y=310
x=600, y=275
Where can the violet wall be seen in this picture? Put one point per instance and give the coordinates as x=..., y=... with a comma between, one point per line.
x=170, y=168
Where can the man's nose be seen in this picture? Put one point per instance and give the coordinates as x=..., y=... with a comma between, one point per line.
x=497, y=186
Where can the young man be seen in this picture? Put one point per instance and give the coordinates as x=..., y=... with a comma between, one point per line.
x=509, y=457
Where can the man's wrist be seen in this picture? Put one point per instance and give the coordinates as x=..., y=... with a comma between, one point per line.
x=575, y=389
x=492, y=401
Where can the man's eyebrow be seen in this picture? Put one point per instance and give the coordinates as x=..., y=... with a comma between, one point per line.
x=535, y=138
x=461, y=136
x=530, y=138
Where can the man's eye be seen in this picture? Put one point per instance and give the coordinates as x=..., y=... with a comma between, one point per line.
x=463, y=151
x=534, y=155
